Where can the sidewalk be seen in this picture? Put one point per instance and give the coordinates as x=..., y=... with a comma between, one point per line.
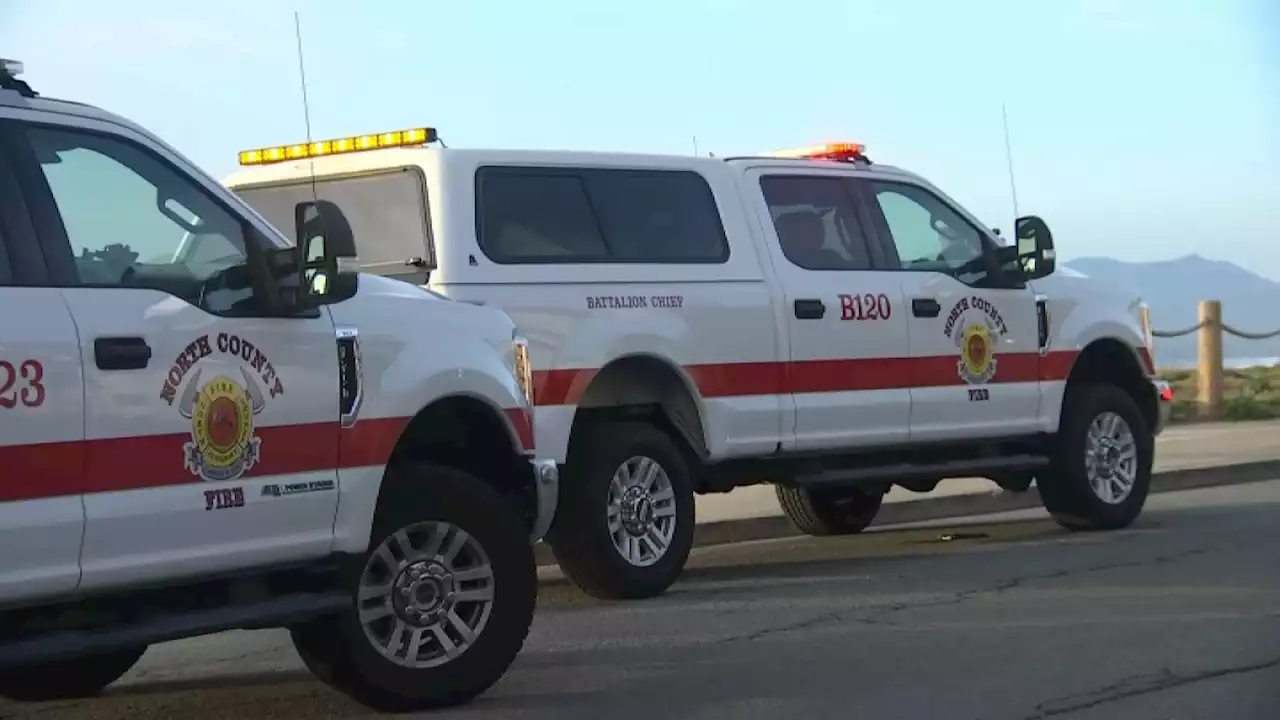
x=1180, y=447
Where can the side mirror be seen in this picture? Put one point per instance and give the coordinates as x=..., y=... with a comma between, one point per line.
x=1036, y=255
x=325, y=254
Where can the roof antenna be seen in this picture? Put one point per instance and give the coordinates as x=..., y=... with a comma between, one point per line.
x=695, y=145
x=306, y=109
x=1008, y=153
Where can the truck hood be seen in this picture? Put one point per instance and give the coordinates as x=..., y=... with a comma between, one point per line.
x=1073, y=288
x=409, y=307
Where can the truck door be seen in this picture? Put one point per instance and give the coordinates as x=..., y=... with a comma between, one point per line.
x=974, y=341
x=41, y=417
x=212, y=423
x=846, y=322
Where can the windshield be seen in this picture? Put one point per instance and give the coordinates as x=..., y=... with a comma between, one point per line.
x=387, y=212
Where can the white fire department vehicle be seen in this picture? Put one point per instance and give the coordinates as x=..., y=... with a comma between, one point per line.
x=806, y=318
x=192, y=439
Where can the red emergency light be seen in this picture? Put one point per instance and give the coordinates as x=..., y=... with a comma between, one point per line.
x=840, y=151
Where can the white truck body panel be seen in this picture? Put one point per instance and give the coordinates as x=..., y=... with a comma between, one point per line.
x=107, y=483
x=762, y=380
x=41, y=445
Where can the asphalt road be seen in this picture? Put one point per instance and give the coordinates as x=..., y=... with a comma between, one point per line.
x=1177, y=618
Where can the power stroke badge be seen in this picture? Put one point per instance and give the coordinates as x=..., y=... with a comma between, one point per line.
x=975, y=326
x=298, y=488
x=221, y=409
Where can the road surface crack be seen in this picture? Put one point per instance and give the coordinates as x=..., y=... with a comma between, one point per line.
x=1137, y=685
x=883, y=615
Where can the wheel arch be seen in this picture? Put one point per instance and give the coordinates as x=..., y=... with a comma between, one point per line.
x=1114, y=361
x=470, y=433
x=646, y=385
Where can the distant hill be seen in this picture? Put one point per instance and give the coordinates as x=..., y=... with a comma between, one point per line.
x=1173, y=289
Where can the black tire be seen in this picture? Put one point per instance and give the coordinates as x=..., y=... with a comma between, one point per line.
x=69, y=679
x=1065, y=488
x=820, y=513
x=580, y=536
x=336, y=650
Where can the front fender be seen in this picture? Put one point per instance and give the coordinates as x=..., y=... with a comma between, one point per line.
x=416, y=348
x=1082, y=311
x=420, y=373
x=1082, y=337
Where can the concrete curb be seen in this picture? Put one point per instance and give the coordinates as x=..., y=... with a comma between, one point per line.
x=953, y=506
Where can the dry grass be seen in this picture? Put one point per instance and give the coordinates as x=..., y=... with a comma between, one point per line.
x=1248, y=393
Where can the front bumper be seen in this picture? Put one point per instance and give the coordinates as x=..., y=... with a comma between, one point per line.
x=1164, y=404
x=546, y=481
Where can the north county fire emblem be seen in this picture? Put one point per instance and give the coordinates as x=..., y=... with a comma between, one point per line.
x=977, y=355
x=975, y=326
x=223, y=445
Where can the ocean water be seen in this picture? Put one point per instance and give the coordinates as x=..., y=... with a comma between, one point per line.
x=1250, y=362
x=1233, y=363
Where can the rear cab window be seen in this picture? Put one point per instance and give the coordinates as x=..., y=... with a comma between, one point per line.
x=816, y=222
x=387, y=211
x=530, y=215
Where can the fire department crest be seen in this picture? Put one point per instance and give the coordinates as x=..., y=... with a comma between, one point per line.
x=975, y=326
x=977, y=356
x=224, y=444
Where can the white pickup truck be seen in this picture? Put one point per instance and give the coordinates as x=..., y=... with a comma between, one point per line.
x=204, y=427
x=806, y=318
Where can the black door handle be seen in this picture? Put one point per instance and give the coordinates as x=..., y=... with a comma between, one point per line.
x=925, y=307
x=121, y=353
x=810, y=309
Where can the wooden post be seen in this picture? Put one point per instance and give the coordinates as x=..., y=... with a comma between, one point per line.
x=1209, y=383
x=1148, y=334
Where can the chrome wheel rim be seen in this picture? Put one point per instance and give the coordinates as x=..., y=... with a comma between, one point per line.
x=1111, y=458
x=426, y=595
x=641, y=511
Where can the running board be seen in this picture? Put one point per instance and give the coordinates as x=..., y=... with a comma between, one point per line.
x=976, y=467
x=277, y=611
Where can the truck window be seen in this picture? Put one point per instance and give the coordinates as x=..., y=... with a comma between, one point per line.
x=387, y=212
x=545, y=215
x=127, y=214
x=816, y=224
x=927, y=233
x=537, y=217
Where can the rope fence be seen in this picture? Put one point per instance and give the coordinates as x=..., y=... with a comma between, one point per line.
x=1209, y=371
x=1225, y=328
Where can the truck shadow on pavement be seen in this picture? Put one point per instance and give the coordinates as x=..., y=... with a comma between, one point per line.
x=882, y=555
x=739, y=621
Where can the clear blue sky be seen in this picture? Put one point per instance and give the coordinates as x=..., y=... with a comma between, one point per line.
x=1141, y=129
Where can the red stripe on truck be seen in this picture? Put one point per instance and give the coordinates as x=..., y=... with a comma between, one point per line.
x=140, y=461
x=522, y=420
x=56, y=469
x=719, y=380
